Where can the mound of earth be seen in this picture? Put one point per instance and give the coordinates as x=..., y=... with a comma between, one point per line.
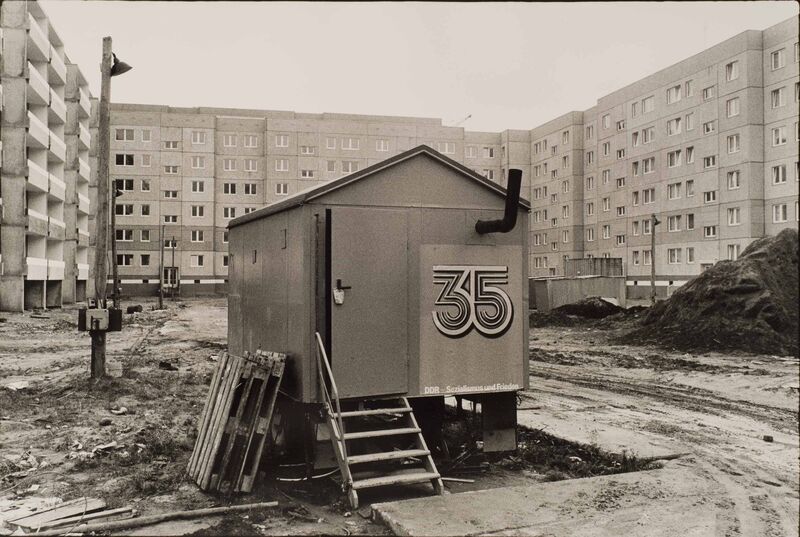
x=750, y=304
x=538, y=319
x=592, y=307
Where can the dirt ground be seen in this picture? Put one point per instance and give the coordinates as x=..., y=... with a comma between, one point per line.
x=715, y=408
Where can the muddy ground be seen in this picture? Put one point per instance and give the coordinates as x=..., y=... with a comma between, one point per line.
x=715, y=408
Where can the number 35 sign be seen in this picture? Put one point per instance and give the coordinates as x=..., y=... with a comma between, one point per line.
x=470, y=298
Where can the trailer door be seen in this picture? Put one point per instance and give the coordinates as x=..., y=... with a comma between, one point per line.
x=368, y=279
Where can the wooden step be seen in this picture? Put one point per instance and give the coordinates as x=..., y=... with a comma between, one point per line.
x=387, y=456
x=396, y=479
x=382, y=432
x=372, y=412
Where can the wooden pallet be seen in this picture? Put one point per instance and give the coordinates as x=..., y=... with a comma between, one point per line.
x=235, y=422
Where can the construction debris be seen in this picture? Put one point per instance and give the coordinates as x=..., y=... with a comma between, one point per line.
x=749, y=304
x=592, y=307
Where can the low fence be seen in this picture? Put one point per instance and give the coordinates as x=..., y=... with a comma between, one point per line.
x=548, y=293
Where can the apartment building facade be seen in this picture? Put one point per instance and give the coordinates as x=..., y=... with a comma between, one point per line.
x=708, y=145
x=45, y=203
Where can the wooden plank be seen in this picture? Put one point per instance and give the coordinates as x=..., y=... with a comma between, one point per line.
x=219, y=399
x=372, y=412
x=85, y=505
x=387, y=456
x=51, y=508
x=419, y=477
x=264, y=373
x=274, y=383
x=218, y=473
x=202, y=430
x=381, y=432
x=98, y=515
x=223, y=409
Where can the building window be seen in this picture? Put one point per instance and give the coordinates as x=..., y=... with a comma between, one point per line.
x=488, y=152
x=674, y=191
x=351, y=144
x=778, y=136
x=124, y=260
x=709, y=127
x=778, y=59
x=674, y=126
x=690, y=221
x=198, y=162
x=690, y=154
x=349, y=166
x=171, y=145
x=589, y=183
x=489, y=174
x=689, y=121
x=170, y=243
x=674, y=223
x=330, y=143
x=709, y=232
x=648, y=134
x=282, y=165
x=229, y=212
x=674, y=158
x=590, y=132
x=145, y=185
x=281, y=189
x=124, y=159
x=565, y=162
x=172, y=194
x=306, y=149
x=124, y=235
x=448, y=148
x=606, y=148
x=170, y=218
x=620, y=153
x=620, y=240
x=621, y=210
x=124, y=209
x=674, y=255
x=469, y=152
x=565, y=186
x=649, y=165
x=331, y=166
x=636, y=257
x=383, y=145
x=229, y=140
x=734, y=179
x=606, y=232
x=648, y=104
x=710, y=161
x=606, y=121
x=250, y=189
x=733, y=252
x=565, y=211
x=779, y=213
x=197, y=235
x=565, y=236
x=124, y=185
x=635, y=198
x=145, y=210
x=709, y=196
x=689, y=90
x=224, y=237
x=251, y=165
x=690, y=188
x=171, y=170
x=647, y=227
x=229, y=188
x=196, y=260
x=589, y=208
x=709, y=93
x=635, y=168
x=734, y=214
x=251, y=140
x=733, y=143
x=198, y=186
x=146, y=159
x=634, y=109
x=777, y=97
x=779, y=174
x=197, y=211
x=620, y=182
x=281, y=140
x=590, y=234
x=732, y=107
x=732, y=71
x=606, y=204
x=674, y=94
x=248, y=210
x=225, y=260
x=229, y=164
x=620, y=125
x=124, y=135
x=647, y=257
x=307, y=174
x=649, y=195
x=144, y=235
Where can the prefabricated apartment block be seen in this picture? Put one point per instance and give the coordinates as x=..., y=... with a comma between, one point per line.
x=45, y=204
x=709, y=145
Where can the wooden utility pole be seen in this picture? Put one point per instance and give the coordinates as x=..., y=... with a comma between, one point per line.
x=174, y=271
x=161, y=268
x=653, y=223
x=98, y=366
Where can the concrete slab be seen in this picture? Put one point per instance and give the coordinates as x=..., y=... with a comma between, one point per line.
x=671, y=502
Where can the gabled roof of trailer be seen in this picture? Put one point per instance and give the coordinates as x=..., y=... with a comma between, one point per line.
x=309, y=194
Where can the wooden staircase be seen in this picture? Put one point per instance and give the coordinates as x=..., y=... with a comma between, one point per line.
x=377, y=442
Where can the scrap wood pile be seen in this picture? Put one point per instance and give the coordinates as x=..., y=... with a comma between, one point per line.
x=750, y=304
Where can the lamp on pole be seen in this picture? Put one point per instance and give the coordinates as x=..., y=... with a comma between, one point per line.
x=107, y=70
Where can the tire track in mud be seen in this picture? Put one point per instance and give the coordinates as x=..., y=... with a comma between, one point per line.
x=687, y=397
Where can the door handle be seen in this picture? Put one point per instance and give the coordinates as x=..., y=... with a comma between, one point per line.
x=340, y=286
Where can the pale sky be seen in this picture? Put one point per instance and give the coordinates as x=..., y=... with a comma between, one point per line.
x=510, y=65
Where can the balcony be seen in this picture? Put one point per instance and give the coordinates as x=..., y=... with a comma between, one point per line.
x=38, y=90
x=56, y=69
x=57, y=229
x=83, y=204
x=58, y=149
x=38, y=178
x=55, y=269
x=58, y=188
x=84, y=138
x=83, y=237
x=38, y=133
x=57, y=112
x=83, y=271
x=36, y=268
x=85, y=108
x=83, y=169
x=37, y=223
x=38, y=44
